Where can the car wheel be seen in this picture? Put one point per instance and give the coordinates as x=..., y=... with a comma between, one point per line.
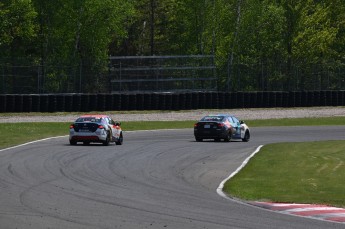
x=72, y=142
x=246, y=136
x=120, y=141
x=228, y=137
x=198, y=139
x=107, y=140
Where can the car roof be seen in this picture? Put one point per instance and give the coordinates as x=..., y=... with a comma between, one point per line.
x=227, y=115
x=94, y=115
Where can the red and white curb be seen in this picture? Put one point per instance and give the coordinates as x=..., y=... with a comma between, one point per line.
x=321, y=212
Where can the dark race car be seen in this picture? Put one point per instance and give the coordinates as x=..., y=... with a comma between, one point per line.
x=221, y=126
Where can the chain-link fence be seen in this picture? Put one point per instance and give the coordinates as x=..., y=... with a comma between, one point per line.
x=168, y=74
x=163, y=73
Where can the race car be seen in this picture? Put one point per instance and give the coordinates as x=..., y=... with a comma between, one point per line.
x=221, y=126
x=95, y=128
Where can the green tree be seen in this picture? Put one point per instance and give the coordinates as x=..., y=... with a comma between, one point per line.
x=16, y=23
x=76, y=36
x=17, y=34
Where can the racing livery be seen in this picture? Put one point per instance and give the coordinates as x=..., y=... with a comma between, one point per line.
x=95, y=128
x=221, y=126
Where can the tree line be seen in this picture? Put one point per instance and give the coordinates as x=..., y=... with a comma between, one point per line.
x=257, y=44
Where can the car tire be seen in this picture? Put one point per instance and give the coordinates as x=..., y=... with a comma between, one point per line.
x=228, y=137
x=72, y=142
x=120, y=141
x=246, y=137
x=107, y=140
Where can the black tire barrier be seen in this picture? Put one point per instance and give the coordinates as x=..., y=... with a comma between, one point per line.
x=323, y=98
x=2, y=103
x=307, y=98
x=141, y=103
x=335, y=98
x=44, y=103
x=147, y=101
x=10, y=103
x=202, y=100
x=316, y=99
x=124, y=102
x=108, y=100
x=272, y=99
x=266, y=99
x=298, y=98
x=76, y=102
x=68, y=103
x=188, y=101
x=93, y=102
x=27, y=103
x=285, y=99
x=221, y=100
x=208, y=100
x=279, y=99
x=60, y=103
x=160, y=102
x=341, y=98
x=101, y=102
x=52, y=103
x=167, y=101
x=175, y=102
x=292, y=99
x=240, y=99
x=115, y=102
x=132, y=102
x=84, y=103
x=18, y=100
x=250, y=100
x=233, y=100
x=154, y=101
x=259, y=99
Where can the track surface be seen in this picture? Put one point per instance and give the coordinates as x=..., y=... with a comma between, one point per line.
x=157, y=179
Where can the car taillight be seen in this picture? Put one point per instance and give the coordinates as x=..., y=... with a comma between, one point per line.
x=100, y=127
x=220, y=125
x=196, y=125
x=71, y=126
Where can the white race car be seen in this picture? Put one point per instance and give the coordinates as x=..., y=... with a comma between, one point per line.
x=95, y=128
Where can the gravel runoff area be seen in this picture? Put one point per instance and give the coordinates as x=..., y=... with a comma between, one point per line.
x=243, y=114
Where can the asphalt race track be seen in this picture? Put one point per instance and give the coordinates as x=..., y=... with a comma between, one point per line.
x=157, y=179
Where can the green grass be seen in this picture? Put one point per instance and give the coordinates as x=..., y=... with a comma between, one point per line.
x=311, y=172
x=17, y=133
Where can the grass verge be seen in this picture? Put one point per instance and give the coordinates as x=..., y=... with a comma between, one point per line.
x=18, y=133
x=310, y=172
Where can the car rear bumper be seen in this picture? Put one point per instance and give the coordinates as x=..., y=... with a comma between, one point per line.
x=210, y=134
x=84, y=137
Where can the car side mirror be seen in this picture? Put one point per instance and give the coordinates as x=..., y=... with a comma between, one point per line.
x=242, y=122
x=118, y=124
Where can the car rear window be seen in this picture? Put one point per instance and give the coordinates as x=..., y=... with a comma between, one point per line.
x=88, y=119
x=213, y=118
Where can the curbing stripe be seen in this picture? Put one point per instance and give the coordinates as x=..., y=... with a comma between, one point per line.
x=313, y=211
x=221, y=185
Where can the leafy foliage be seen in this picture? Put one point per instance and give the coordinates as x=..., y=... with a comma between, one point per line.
x=258, y=44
